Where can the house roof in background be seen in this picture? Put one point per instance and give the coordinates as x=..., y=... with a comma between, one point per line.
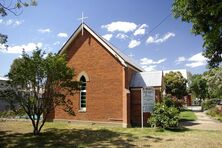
x=147, y=79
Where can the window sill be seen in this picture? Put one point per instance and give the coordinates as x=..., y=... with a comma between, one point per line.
x=82, y=111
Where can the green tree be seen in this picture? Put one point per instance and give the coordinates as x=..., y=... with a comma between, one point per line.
x=175, y=84
x=40, y=84
x=205, y=15
x=14, y=7
x=214, y=82
x=199, y=87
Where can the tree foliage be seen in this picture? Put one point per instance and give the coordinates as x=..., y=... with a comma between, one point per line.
x=175, y=84
x=214, y=82
x=14, y=7
x=40, y=84
x=199, y=86
x=205, y=15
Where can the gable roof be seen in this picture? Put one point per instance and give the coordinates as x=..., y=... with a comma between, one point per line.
x=124, y=59
x=147, y=79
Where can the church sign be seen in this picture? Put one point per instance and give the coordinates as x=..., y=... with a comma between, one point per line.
x=148, y=99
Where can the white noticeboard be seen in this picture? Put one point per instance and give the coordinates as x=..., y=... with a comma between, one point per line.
x=148, y=99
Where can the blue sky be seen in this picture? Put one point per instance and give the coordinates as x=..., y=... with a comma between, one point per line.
x=125, y=23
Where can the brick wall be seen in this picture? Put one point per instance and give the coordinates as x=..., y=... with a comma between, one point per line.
x=105, y=86
x=126, y=99
x=128, y=76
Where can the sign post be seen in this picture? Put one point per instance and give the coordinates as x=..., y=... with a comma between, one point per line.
x=142, y=107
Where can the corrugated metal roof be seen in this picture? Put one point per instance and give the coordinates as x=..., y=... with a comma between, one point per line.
x=147, y=79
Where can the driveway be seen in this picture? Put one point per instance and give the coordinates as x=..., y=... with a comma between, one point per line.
x=203, y=122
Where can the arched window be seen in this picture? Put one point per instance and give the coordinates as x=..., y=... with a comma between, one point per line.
x=83, y=93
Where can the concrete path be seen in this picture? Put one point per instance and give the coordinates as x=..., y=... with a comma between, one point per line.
x=203, y=122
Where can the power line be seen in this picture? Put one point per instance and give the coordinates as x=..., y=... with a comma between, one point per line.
x=155, y=27
x=163, y=20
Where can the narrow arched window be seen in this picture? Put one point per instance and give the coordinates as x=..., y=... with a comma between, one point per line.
x=83, y=93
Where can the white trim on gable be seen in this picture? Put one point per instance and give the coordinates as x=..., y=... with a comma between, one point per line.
x=97, y=38
x=70, y=40
x=105, y=45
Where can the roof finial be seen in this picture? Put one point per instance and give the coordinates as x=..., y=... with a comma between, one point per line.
x=82, y=21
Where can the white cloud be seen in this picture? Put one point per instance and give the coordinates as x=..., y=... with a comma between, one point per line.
x=45, y=55
x=121, y=36
x=134, y=43
x=11, y=22
x=120, y=26
x=19, y=48
x=8, y=22
x=2, y=47
x=62, y=35
x=107, y=36
x=47, y=30
x=17, y=23
x=157, y=39
x=149, y=67
x=197, y=57
x=56, y=43
x=197, y=60
x=180, y=59
x=146, y=61
x=150, y=64
x=141, y=30
x=131, y=55
x=195, y=64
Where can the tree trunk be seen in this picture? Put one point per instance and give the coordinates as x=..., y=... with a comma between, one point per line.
x=36, y=131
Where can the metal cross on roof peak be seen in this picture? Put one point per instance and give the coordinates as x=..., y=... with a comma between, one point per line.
x=82, y=20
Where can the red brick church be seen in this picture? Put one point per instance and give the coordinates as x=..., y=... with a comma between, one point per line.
x=112, y=82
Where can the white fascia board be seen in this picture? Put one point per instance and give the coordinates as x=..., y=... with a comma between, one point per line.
x=70, y=40
x=97, y=38
x=105, y=45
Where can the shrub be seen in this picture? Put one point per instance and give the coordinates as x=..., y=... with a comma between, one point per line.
x=164, y=116
x=12, y=114
x=169, y=102
x=215, y=112
x=172, y=102
x=207, y=104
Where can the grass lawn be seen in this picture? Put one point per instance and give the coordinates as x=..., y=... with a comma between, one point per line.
x=18, y=134
x=187, y=115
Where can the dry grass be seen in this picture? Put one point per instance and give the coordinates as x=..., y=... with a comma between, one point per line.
x=17, y=134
